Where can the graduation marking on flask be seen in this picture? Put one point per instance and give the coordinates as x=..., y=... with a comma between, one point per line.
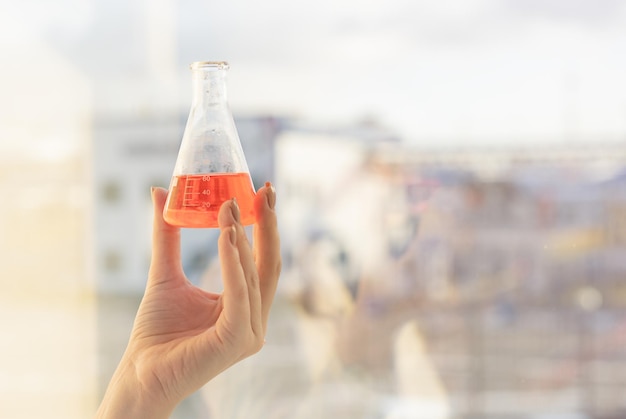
x=197, y=191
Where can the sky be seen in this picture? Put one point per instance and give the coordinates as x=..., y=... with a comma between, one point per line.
x=437, y=72
x=444, y=71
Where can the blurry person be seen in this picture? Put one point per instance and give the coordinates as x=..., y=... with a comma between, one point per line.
x=184, y=336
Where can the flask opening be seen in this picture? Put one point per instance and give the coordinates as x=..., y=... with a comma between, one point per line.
x=210, y=65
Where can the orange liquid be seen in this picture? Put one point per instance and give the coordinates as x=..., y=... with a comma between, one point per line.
x=194, y=200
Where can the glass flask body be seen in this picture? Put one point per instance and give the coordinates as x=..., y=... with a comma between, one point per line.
x=211, y=167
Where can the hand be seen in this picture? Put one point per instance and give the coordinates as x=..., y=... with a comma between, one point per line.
x=184, y=336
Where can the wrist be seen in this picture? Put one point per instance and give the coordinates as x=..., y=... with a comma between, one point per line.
x=126, y=397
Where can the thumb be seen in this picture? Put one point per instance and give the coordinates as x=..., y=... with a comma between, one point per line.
x=166, y=262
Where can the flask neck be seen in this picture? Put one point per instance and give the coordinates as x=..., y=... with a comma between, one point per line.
x=209, y=83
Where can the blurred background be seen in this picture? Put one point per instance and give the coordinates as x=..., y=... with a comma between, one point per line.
x=451, y=179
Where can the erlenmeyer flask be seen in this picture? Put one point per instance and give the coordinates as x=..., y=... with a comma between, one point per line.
x=211, y=167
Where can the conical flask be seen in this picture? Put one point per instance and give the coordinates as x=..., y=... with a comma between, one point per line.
x=211, y=167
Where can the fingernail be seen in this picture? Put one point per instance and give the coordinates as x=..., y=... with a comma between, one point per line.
x=152, y=188
x=232, y=235
x=234, y=207
x=271, y=195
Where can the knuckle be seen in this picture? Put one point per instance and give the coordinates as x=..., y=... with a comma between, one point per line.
x=253, y=280
x=248, y=343
x=256, y=345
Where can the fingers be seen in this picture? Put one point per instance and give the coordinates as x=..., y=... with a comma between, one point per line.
x=165, y=263
x=251, y=275
x=240, y=277
x=235, y=296
x=267, y=246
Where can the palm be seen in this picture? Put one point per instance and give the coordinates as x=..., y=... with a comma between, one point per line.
x=176, y=327
x=171, y=313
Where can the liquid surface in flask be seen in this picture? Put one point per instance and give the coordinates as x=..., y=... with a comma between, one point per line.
x=195, y=200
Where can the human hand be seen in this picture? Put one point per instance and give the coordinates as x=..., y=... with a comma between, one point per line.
x=184, y=336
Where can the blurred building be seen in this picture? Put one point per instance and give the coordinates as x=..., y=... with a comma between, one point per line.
x=492, y=251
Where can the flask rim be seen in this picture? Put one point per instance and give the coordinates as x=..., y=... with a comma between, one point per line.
x=210, y=65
